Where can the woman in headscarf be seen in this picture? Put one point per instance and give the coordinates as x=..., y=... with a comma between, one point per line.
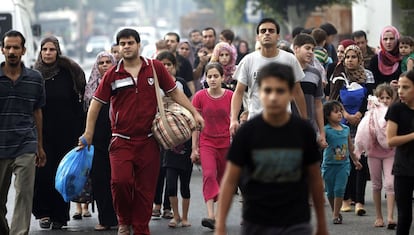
x=63, y=121
x=242, y=50
x=351, y=85
x=386, y=64
x=185, y=50
x=223, y=54
x=101, y=169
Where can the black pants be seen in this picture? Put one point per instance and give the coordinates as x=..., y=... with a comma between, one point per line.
x=101, y=187
x=403, y=187
x=357, y=181
x=160, y=187
x=172, y=182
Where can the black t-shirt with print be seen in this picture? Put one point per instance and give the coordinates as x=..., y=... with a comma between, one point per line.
x=273, y=162
x=404, y=155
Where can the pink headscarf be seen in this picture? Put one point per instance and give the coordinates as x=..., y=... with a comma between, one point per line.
x=231, y=66
x=388, y=62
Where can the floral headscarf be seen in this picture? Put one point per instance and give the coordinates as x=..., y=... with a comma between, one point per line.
x=231, y=66
x=388, y=61
x=95, y=77
x=357, y=75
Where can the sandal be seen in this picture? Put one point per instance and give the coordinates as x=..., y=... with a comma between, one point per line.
x=338, y=220
x=77, y=216
x=45, y=223
x=360, y=211
x=185, y=224
x=100, y=227
x=209, y=223
x=156, y=213
x=86, y=214
x=167, y=214
x=379, y=223
x=174, y=223
x=123, y=230
x=391, y=225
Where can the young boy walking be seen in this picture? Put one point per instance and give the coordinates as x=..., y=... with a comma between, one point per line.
x=311, y=84
x=279, y=157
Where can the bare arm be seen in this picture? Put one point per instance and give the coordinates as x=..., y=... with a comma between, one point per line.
x=396, y=140
x=40, y=158
x=236, y=103
x=319, y=121
x=191, y=87
x=178, y=96
x=228, y=187
x=300, y=100
x=316, y=190
x=195, y=150
x=354, y=158
x=410, y=64
x=93, y=113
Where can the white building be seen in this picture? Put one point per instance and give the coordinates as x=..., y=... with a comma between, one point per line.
x=373, y=15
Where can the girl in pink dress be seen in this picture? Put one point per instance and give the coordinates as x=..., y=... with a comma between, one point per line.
x=212, y=143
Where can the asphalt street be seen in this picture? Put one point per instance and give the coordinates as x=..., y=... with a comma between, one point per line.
x=352, y=225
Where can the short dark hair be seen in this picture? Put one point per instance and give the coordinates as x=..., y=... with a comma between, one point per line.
x=406, y=40
x=167, y=55
x=268, y=20
x=408, y=74
x=302, y=39
x=209, y=28
x=194, y=31
x=228, y=34
x=214, y=65
x=126, y=33
x=13, y=33
x=358, y=34
x=276, y=70
x=329, y=28
x=173, y=34
x=330, y=106
x=297, y=30
x=319, y=35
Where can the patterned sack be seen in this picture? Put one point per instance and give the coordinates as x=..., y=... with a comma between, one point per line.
x=172, y=125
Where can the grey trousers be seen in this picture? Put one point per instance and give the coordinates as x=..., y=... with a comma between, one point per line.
x=23, y=167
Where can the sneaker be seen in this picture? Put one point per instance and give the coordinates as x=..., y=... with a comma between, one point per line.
x=77, y=216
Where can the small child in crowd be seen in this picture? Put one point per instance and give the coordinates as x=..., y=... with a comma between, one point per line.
x=277, y=156
x=400, y=134
x=212, y=143
x=335, y=165
x=407, y=51
x=371, y=139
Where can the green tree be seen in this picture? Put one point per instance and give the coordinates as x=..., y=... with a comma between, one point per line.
x=407, y=22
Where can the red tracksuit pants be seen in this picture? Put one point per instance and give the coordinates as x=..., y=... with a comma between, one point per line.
x=134, y=168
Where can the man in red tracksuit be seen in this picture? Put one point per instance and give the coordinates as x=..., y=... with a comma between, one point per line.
x=134, y=153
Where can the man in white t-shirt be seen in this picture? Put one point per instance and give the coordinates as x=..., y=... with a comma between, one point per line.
x=246, y=73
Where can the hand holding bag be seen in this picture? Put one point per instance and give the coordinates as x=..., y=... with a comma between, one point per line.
x=172, y=125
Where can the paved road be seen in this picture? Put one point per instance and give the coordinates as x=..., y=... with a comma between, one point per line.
x=353, y=225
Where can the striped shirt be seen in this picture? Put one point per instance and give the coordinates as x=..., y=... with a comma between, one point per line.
x=18, y=100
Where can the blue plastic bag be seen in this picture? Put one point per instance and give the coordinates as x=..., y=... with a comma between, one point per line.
x=73, y=172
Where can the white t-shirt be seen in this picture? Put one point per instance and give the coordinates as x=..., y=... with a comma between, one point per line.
x=248, y=68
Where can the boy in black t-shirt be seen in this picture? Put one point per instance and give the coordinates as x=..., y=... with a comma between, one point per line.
x=278, y=156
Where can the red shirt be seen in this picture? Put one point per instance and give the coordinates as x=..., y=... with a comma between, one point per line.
x=216, y=114
x=133, y=104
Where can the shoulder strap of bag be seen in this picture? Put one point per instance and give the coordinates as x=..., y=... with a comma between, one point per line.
x=160, y=103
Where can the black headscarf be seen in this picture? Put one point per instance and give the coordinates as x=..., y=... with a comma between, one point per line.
x=50, y=70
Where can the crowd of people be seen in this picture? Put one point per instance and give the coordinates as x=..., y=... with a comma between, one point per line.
x=285, y=122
